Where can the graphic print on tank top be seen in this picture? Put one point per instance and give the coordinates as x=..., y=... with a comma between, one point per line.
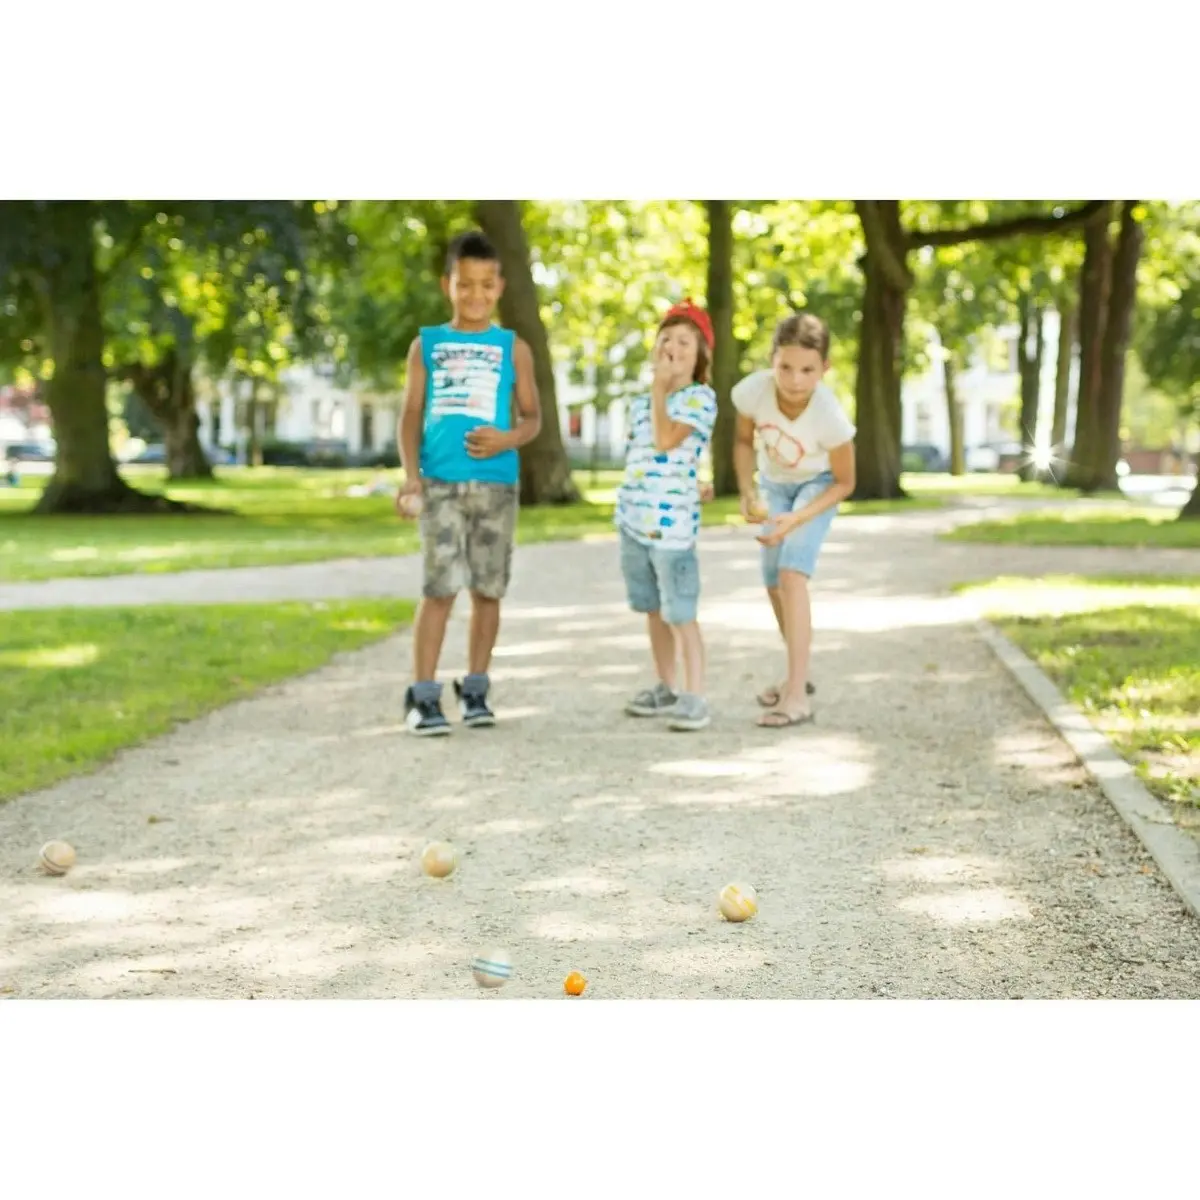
x=465, y=380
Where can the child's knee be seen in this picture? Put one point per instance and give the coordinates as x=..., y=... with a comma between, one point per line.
x=680, y=586
x=791, y=578
x=770, y=568
x=641, y=586
x=680, y=613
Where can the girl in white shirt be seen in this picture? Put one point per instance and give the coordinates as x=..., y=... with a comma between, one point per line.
x=806, y=468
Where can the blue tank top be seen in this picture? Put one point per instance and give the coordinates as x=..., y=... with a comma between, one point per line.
x=468, y=382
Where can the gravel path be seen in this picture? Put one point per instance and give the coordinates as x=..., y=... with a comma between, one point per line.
x=929, y=837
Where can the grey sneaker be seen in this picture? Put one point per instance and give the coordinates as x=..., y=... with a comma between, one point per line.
x=653, y=702
x=690, y=712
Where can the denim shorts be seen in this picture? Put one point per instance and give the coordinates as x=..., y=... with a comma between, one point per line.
x=800, y=549
x=661, y=579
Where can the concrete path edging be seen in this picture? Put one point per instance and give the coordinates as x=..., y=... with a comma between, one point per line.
x=1176, y=852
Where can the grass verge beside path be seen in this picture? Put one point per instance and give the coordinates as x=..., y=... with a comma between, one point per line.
x=1126, y=650
x=76, y=685
x=1134, y=528
x=278, y=516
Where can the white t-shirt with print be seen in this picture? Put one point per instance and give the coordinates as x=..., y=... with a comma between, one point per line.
x=659, y=499
x=792, y=450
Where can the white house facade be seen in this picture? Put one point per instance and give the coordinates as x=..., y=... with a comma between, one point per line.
x=987, y=396
x=311, y=406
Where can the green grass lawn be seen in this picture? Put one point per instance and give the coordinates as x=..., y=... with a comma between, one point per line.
x=279, y=515
x=991, y=484
x=76, y=685
x=1127, y=651
x=1135, y=527
x=929, y=488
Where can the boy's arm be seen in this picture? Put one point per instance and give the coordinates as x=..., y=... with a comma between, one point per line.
x=696, y=404
x=411, y=423
x=666, y=432
x=529, y=404
x=486, y=440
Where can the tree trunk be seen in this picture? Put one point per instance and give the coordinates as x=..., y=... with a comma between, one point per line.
x=877, y=394
x=958, y=454
x=168, y=391
x=85, y=476
x=1094, y=285
x=725, y=355
x=1067, y=325
x=1121, y=302
x=1030, y=349
x=1191, y=510
x=254, y=456
x=545, y=468
x=877, y=388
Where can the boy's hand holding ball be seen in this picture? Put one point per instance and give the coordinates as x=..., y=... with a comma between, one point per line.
x=409, y=501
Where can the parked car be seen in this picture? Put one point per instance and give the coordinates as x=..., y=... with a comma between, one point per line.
x=155, y=452
x=387, y=458
x=28, y=452
x=993, y=456
x=923, y=456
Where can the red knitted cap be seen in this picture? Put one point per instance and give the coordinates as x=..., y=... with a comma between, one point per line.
x=697, y=316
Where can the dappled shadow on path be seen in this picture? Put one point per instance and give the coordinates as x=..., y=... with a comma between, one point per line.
x=928, y=836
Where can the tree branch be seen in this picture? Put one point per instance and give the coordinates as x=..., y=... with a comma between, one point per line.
x=988, y=232
x=880, y=248
x=127, y=251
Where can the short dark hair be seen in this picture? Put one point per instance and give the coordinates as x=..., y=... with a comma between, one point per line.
x=802, y=329
x=470, y=245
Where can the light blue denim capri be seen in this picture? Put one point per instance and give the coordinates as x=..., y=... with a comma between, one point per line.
x=801, y=548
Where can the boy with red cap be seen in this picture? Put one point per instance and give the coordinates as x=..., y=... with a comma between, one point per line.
x=658, y=513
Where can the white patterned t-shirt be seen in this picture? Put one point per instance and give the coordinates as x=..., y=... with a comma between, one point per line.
x=659, y=499
x=792, y=449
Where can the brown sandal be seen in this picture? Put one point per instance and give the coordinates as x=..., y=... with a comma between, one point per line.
x=778, y=719
x=770, y=697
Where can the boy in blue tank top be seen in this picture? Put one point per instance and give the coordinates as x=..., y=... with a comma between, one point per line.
x=470, y=403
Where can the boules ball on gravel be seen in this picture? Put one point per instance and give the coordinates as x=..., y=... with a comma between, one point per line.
x=56, y=858
x=439, y=859
x=492, y=969
x=737, y=902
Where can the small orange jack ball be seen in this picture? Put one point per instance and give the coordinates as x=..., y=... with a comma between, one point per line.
x=574, y=984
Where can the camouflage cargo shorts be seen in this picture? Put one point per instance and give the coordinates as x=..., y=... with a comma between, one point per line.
x=467, y=531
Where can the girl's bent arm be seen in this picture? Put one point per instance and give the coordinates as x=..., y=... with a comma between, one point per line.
x=841, y=463
x=743, y=455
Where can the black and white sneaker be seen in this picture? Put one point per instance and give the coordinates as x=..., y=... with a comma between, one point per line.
x=424, y=717
x=473, y=705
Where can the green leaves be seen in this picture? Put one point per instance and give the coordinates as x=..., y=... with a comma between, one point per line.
x=234, y=284
x=1167, y=331
x=392, y=286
